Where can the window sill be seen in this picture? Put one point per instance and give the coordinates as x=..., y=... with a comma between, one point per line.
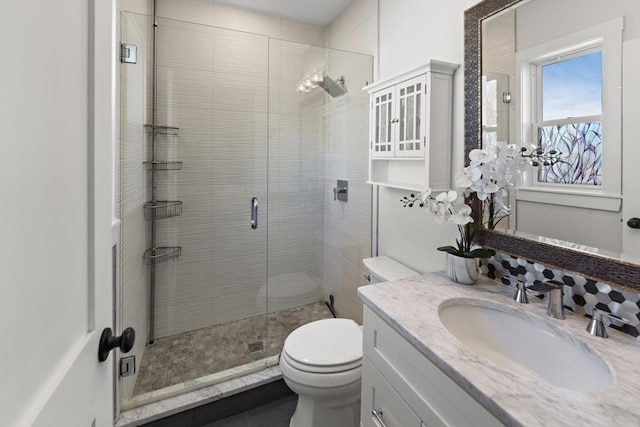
x=603, y=202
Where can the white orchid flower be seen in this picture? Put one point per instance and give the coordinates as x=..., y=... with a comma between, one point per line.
x=490, y=188
x=478, y=156
x=461, y=216
x=491, y=171
x=438, y=211
x=447, y=196
x=425, y=195
x=468, y=176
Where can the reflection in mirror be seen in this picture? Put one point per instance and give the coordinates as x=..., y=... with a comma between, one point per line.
x=545, y=89
x=575, y=227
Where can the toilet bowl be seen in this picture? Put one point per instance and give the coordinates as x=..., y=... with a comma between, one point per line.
x=322, y=362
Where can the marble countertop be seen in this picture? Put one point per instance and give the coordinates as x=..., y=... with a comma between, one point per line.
x=512, y=393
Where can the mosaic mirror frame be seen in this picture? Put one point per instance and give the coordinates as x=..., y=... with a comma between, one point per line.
x=592, y=266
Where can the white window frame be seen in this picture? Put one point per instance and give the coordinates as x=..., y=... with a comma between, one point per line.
x=606, y=37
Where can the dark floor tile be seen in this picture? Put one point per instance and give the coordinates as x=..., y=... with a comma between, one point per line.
x=274, y=414
x=181, y=419
x=240, y=403
x=240, y=420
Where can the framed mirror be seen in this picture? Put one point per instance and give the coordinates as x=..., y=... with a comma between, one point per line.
x=587, y=260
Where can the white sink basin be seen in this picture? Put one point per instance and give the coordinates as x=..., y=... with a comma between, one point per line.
x=498, y=332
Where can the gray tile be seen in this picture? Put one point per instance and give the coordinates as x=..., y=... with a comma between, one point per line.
x=178, y=358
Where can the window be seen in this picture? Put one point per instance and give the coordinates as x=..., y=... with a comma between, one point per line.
x=571, y=102
x=569, y=118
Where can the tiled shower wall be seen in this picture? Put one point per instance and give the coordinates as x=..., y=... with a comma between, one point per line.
x=347, y=224
x=581, y=295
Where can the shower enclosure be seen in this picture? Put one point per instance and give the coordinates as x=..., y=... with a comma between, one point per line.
x=230, y=235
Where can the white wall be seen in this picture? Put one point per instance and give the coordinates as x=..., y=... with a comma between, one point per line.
x=530, y=16
x=412, y=32
x=356, y=30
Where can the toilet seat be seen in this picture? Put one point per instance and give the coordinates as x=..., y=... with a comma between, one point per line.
x=325, y=346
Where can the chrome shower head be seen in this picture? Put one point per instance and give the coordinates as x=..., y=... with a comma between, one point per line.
x=335, y=88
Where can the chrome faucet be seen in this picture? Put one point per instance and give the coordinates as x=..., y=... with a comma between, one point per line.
x=555, y=290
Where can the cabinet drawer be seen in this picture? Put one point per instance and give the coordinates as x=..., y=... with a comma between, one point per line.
x=378, y=395
x=430, y=393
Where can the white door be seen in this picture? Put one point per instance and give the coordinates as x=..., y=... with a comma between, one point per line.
x=56, y=137
x=631, y=150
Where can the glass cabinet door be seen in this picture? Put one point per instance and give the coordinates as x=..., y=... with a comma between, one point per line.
x=410, y=126
x=384, y=122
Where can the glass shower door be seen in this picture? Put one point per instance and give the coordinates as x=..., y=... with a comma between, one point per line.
x=209, y=305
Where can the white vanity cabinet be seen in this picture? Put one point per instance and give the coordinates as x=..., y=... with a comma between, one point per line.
x=402, y=387
x=410, y=128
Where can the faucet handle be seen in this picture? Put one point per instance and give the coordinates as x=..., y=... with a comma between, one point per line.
x=596, y=325
x=547, y=286
x=521, y=294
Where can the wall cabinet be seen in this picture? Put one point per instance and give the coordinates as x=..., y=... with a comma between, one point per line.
x=410, y=128
x=402, y=387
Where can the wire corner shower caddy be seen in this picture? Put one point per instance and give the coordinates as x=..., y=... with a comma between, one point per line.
x=155, y=210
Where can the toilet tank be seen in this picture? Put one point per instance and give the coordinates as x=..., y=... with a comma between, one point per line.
x=383, y=269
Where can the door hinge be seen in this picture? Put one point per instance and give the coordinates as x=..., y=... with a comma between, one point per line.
x=128, y=53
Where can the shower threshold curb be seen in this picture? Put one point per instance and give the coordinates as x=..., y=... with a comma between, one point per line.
x=202, y=396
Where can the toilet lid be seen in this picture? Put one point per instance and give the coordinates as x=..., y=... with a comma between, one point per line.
x=326, y=343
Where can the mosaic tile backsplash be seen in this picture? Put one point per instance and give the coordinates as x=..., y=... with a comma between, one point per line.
x=581, y=295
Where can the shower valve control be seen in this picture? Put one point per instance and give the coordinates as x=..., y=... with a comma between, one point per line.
x=341, y=191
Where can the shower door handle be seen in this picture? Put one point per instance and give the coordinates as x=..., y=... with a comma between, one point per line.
x=254, y=213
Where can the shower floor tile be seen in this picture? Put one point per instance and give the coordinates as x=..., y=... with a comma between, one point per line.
x=190, y=355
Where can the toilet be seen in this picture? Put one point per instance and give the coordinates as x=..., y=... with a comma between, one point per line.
x=385, y=269
x=322, y=362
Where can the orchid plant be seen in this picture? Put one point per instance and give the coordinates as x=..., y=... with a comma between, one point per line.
x=450, y=207
x=492, y=170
